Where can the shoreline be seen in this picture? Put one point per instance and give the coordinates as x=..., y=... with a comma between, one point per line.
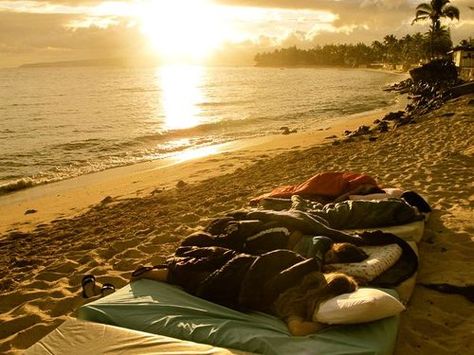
x=56, y=172
x=41, y=270
x=24, y=209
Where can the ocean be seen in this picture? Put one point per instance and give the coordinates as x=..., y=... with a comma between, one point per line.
x=57, y=123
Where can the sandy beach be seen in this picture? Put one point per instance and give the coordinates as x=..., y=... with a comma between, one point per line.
x=109, y=223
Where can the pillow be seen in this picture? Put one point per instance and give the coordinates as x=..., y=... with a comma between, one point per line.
x=363, y=305
x=380, y=259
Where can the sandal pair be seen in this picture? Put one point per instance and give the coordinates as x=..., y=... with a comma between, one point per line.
x=105, y=290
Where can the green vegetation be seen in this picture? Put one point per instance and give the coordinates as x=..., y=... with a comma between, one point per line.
x=439, y=35
x=406, y=51
x=410, y=49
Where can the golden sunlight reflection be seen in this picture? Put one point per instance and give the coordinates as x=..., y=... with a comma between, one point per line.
x=181, y=94
x=196, y=153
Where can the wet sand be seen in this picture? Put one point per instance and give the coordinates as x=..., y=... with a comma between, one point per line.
x=45, y=254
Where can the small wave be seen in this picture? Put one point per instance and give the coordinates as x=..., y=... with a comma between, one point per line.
x=17, y=185
x=225, y=103
x=90, y=143
x=24, y=104
x=139, y=89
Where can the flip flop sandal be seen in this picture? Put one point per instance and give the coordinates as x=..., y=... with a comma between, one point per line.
x=87, y=279
x=107, y=289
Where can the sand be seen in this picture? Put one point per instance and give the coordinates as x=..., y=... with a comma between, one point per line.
x=45, y=254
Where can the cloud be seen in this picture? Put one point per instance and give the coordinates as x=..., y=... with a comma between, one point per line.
x=361, y=20
x=58, y=30
x=71, y=2
x=52, y=40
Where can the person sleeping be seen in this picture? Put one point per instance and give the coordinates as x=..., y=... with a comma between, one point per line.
x=280, y=283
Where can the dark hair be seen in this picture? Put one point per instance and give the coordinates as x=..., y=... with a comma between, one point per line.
x=339, y=283
x=304, y=298
x=348, y=253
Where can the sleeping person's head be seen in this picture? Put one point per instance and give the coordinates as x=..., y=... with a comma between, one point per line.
x=344, y=253
x=304, y=298
x=336, y=284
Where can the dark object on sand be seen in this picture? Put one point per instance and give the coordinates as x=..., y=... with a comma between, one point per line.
x=402, y=87
x=435, y=71
x=107, y=289
x=461, y=90
x=466, y=291
x=285, y=130
x=86, y=280
x=30, y=211
x=393, y=116
x=180, y=184
x=382, y=126
x=362, y=130
x=106, y=200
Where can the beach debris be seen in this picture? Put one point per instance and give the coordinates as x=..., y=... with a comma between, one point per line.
x=158, y=190
x=466, y=291
x=429, y=87
x=382, y=126
x=18, y=235
x=106, y=200
x=180, y=184
x=463, y=89
x=362, y=130
x=19, y=262
x=402, y=87
x=30, y=211
x=448, y=114
x=331, y=137
x=435, y=71
x=393, y=116
x=286, y=130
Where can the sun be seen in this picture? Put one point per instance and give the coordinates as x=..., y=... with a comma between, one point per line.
x=182, y=29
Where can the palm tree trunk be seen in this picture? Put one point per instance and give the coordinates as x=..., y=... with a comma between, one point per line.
x=433, y=25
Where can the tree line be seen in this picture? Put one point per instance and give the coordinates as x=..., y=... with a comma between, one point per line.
x=410, y=49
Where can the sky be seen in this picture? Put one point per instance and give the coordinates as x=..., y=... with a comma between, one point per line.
x=211, y=31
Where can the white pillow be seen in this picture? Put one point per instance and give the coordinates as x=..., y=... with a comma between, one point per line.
x=363, y=305
x=380, y=259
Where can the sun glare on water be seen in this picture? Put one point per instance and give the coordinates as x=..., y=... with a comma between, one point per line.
x=181, y=95
x=182, y=29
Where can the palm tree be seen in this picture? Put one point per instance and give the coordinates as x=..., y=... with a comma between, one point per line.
x=434, y=11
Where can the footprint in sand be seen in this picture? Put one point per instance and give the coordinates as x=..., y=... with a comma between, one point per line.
x=12, y=326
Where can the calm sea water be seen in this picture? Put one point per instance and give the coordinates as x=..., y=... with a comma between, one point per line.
x=56, y=123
